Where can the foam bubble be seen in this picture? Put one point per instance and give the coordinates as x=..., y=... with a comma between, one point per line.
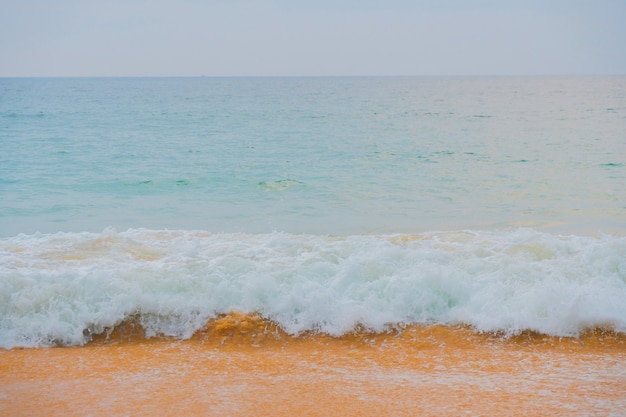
x=61, y=288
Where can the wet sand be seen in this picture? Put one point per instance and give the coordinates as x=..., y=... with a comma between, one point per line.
x=243, y=365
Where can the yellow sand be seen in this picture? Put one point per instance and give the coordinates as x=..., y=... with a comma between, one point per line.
x=242, y=365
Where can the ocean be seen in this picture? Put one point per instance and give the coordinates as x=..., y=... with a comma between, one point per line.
x=320, y=204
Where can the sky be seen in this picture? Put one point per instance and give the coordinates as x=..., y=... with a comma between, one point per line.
x=311, y=38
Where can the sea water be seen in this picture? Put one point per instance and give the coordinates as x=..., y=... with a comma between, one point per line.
x=321, y=203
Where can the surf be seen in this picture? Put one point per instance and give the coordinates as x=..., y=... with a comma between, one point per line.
x=65, y=288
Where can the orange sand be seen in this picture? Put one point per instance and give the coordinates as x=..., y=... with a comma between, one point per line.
x=242, y=365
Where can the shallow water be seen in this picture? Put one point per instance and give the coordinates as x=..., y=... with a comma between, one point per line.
x=242, y=365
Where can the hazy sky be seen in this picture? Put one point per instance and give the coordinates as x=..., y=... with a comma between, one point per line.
x=316, y=37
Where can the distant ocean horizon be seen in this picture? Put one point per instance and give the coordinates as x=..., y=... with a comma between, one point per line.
x=321, y=203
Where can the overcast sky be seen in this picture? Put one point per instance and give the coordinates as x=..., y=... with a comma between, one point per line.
x=316, y=37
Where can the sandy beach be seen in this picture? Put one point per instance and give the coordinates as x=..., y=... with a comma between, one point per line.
x=242, y=365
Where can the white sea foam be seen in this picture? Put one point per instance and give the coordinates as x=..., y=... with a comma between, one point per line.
x=58, y=288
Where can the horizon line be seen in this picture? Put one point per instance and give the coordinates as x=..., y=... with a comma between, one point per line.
x=512, y=75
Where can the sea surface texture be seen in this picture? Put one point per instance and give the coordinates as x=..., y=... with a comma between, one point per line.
x=322, y=204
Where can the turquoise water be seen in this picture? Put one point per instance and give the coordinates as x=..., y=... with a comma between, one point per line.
x=322, y=203
x=313, y=155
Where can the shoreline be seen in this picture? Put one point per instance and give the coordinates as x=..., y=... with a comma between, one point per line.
x=423, y=370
